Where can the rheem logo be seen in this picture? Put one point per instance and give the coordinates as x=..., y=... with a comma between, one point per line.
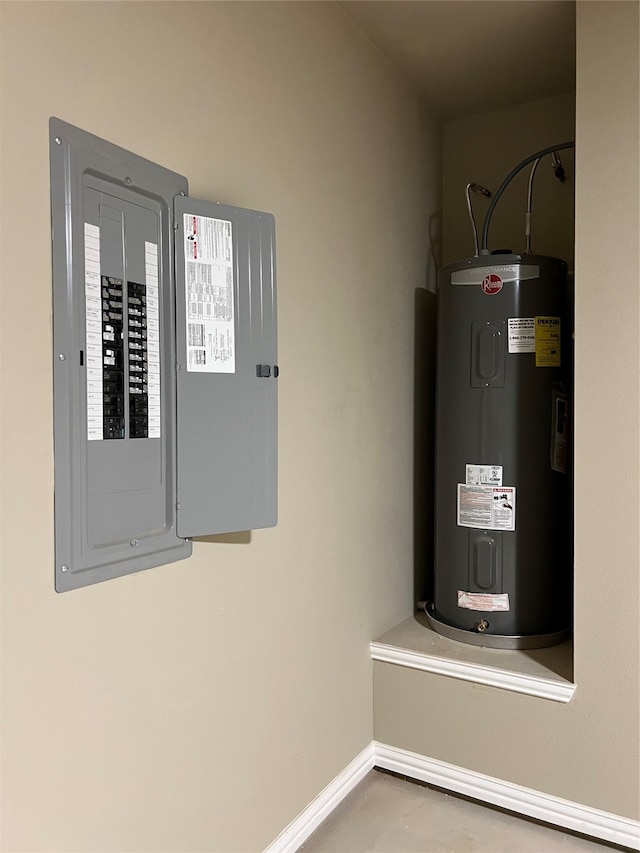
x=491, y=284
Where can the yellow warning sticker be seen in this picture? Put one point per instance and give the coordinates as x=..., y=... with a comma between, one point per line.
x=547, y=341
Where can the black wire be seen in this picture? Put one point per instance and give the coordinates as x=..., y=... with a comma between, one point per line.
x=507, y=181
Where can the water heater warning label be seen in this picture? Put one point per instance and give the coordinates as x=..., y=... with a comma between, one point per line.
x=522, y=334
x=487, y=507
x=485, y=602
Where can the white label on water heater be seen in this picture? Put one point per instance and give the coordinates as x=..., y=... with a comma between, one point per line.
x=484, y=475
x=485, y=602
x=522, y=334
x=487, y=507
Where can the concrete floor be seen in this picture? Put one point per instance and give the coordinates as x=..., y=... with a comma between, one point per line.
x=387, y=814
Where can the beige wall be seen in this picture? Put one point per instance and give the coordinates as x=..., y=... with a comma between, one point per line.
x=200, y=706
x=484, y=148
x=588, y=750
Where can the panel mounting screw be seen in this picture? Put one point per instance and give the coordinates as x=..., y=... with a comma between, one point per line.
x=64, y=568
x=128, y=181
x=182, y=192
x=57, y=140
x=62, y=356
x=133, y=543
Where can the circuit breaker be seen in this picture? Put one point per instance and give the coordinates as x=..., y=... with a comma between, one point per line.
x=165, y=363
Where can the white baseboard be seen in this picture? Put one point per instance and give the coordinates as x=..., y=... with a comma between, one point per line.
x=310, y=819
x=506, y=795
x=485, y=789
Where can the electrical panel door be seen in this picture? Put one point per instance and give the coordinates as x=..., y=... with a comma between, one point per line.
x=227, y=368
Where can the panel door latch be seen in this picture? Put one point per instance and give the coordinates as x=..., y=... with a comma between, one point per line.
x=264, y=371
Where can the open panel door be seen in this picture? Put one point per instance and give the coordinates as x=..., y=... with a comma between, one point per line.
x=227, y=369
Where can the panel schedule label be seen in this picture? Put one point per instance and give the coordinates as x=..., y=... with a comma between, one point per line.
x=152, y=294
x=209, y=294
x=93, y=332
x=487, y=507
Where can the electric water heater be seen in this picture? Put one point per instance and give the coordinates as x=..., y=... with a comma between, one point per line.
x=503, y=525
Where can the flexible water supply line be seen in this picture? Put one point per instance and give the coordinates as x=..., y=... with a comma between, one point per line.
x=527, y=219
x=477, y=188
x=474, y=227
x=537, y=156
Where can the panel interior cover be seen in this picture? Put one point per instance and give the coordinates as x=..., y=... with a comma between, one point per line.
x=113, y=360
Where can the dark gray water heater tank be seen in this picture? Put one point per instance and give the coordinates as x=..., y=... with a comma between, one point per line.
x=502, y=574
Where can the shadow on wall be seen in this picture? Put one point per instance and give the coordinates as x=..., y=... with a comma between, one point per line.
x=424, y=442
x=434, y=258
x=241, y=537
x=424, y=417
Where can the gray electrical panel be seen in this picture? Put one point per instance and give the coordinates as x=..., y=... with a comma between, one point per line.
x=150, y=287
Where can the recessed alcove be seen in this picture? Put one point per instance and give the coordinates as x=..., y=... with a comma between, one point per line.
x=469, y=154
